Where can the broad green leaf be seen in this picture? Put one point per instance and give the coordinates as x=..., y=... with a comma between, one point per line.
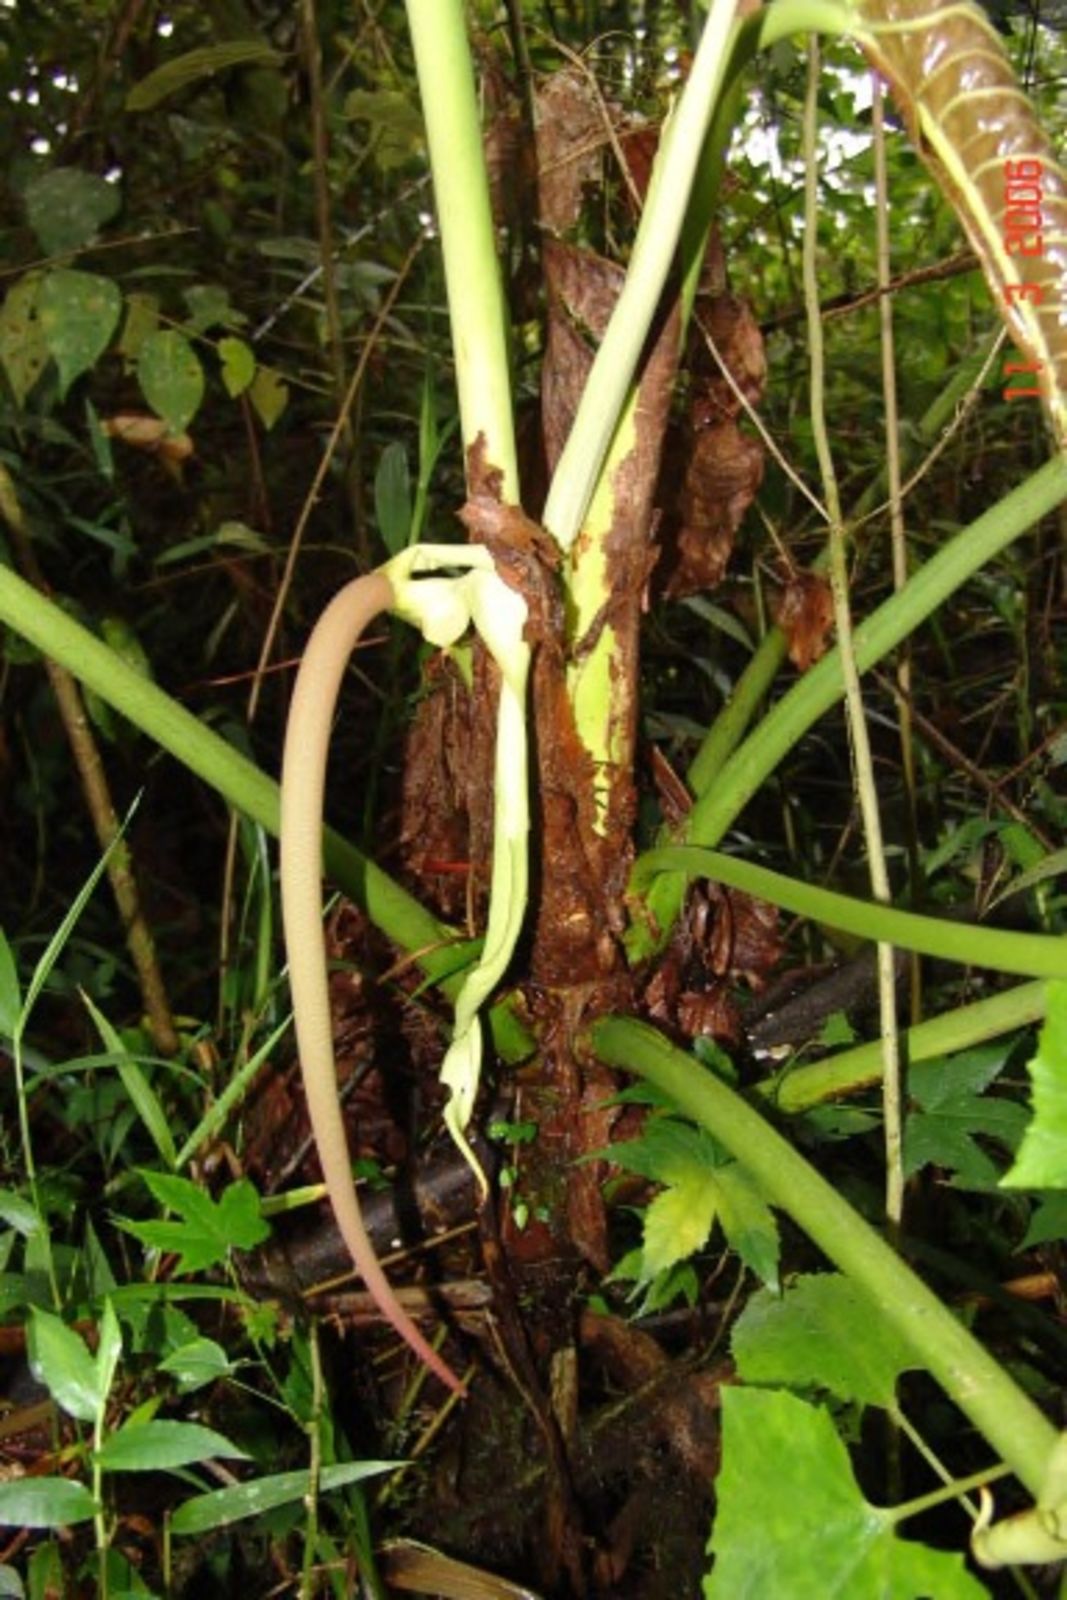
x=269, y=395
x=977, y=132
x=223, y=1506
x=392, y=497
x=1042, y=1159
x=951, y=1110
x=66, y=208
x=78, y=313
x=171, y=377
x=194, y=1364
x=10, y=994
x=142, y=1096
x=238, y=365
x=23, y=350
x=181, y=72
x=163, y=1446
x=395, y=122
x=59, y=1359
x=206, y=1231
x=791, y=1521
x=44, y=1503
x=822, y=1331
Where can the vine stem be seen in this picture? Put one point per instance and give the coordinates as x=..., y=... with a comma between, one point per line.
x=982, y=1389
x=859, y=742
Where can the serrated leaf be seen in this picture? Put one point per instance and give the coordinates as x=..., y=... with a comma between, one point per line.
x=702, y=1186
x=44, y=1503
x=223, y=1506
x=952, y=1112
x=392, y=497
x=823, y=1331
x=238, y=365
x=66, y=208
x=78, y=313
x=163, y=1446
x=171, y=377
x=196, y=65
x=269, y=395
x=206, y=1231
x=668, y=1151
x=748, y=1222
x=791, y=1520
x=59, y=1359
x=1042, y=1159
x=678, y=1222
x=23, y=350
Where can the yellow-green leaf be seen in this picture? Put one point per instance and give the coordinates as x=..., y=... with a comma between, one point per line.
x=23, y=350
x=171, y=378
x=238, y=365
x=269, y=395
